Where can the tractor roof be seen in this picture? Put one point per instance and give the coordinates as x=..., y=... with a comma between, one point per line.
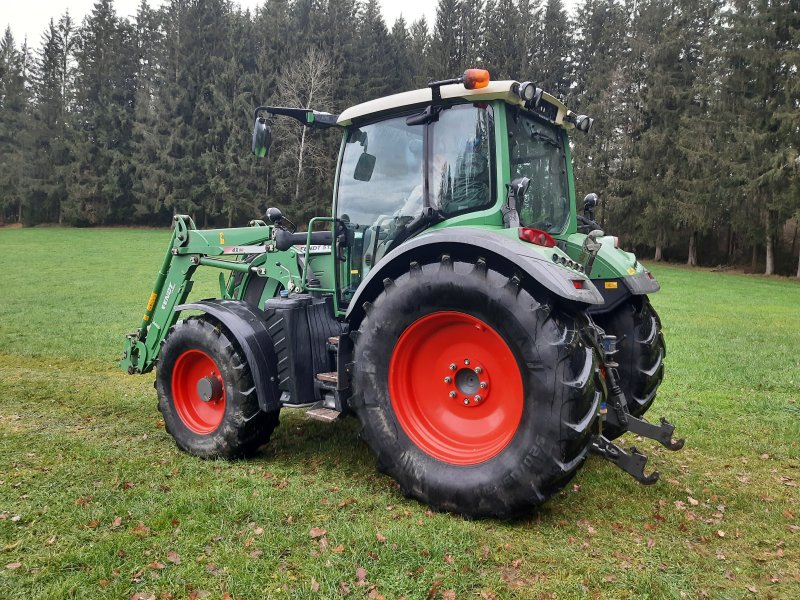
x=496, y=90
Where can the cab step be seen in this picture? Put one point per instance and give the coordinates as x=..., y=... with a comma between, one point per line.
x=328, y=378
x=326, y=415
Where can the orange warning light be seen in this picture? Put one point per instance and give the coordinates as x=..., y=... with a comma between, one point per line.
x=475, y=79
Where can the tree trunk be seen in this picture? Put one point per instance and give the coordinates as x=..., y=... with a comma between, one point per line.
x=754, y=259
x=659, y=254
x=300, y=163
x=798, y=266
x=692, y=260
x=770, y=268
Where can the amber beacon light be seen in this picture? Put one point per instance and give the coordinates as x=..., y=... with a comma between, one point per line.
x=475, y=79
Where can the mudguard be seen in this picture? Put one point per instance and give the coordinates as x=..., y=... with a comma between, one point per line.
x=472, y=242
x=248, y=326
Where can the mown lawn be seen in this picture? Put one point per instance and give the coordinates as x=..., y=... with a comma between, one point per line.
x=96, y=501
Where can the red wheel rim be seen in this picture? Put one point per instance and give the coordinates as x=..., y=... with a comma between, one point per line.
x=456, y=388
x=194, y=376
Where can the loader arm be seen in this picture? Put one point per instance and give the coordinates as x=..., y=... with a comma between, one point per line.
x=223, y=249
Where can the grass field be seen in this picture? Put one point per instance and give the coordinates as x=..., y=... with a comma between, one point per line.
x=96, y=501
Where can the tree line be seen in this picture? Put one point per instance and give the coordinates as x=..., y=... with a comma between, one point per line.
x=696, y=105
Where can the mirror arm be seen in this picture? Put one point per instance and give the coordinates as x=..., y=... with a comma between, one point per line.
x=304, y=116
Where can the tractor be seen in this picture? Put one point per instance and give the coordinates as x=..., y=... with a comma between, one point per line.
x=486, y=335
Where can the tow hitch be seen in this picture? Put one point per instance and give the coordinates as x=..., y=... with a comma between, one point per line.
x=617, y=415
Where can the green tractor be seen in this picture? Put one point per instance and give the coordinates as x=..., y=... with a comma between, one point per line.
x=486, y=335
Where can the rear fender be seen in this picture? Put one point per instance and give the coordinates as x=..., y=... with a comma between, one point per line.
x=248, y=326
x=467, y=243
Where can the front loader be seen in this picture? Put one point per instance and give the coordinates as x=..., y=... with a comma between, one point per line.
x=486, y=335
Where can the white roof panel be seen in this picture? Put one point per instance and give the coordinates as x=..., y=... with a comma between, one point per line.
x=496, y=90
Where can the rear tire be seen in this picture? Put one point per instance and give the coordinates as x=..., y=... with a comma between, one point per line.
x=527, y=435
x=200, y=357
x=641, y=354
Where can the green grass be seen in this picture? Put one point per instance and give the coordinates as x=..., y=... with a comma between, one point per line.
x=95, y=499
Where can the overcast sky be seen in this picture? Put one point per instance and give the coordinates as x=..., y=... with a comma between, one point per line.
x=30, y=17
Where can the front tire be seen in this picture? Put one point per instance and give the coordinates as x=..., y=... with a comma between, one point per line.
x=207, y=395
x=427, y=345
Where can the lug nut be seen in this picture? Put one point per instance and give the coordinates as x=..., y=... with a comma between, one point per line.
x=452, y=394
x=466, y=361
x=484, y=385
x=478, y=370
x=448, y=379
x=452, y=366
x=478, y=398
x=466, y=400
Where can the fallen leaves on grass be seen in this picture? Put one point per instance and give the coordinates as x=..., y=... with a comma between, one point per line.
x=381, y=538
x=141, y=529
x=317, y=532
x=173, y=557
x=344, y=589
x=314, y=585
x=338, y=549
x=117, y=522
x=361, y=576
x=13, y=566
x=84, y=500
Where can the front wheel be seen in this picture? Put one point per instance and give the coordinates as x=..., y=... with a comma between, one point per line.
x=207, y=395
x=476, y=394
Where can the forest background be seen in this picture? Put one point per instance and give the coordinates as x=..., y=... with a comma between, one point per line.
x=696, y=104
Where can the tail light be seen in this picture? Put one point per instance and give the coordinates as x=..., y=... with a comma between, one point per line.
x=536, y=236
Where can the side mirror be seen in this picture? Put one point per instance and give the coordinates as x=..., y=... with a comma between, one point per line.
x=364, y=167
x=262, y=137
x=518, y=187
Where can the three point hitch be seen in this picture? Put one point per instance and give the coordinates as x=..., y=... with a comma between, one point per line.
x=619, y=418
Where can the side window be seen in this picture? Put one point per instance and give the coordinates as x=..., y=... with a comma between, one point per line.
x=536, y=152
x=460, y=169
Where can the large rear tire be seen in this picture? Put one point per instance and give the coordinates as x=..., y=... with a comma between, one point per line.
x=207, y=395
x=641, y=354
x=476, y=394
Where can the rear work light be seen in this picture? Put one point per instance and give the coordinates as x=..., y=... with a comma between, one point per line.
x=578, y=283
x=536, y=236
x=475, y=79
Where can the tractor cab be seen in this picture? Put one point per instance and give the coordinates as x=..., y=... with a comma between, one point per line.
x=444, y=156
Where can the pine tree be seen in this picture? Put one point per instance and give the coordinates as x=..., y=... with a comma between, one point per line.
x=446, y=43
x=14, y=143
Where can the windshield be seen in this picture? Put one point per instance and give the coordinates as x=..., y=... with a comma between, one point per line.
x=536, y=151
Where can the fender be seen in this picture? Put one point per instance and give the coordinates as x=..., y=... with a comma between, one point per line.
x=248, y=326
x=616, y=291
x=471, y=242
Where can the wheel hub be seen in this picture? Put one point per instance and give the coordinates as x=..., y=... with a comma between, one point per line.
x=470, y=384
x=210, y=388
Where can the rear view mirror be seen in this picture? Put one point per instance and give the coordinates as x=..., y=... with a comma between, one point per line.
x=364, y=167
x=262, y=137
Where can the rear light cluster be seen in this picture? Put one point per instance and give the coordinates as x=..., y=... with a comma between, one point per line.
x=536, y=236
x=542, y=238
x=562, y=260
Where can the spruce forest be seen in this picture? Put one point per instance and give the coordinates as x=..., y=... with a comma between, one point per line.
x=694, y=150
